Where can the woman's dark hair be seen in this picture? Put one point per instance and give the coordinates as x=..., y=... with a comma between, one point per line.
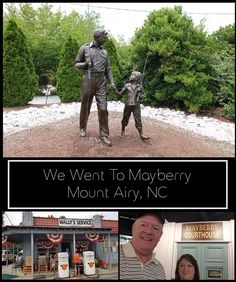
x=193, y=261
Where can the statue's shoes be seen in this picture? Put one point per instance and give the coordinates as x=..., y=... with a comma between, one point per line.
x=143, y=137
x=106, y=140
x=82, y=133
x=122, y=135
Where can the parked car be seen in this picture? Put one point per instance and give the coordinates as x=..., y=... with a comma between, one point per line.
x=7, y=254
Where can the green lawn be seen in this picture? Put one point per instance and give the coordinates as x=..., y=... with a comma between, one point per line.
x=8, y=276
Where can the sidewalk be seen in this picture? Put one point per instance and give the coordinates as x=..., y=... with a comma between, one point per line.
x=45, y=100
x=17, y=274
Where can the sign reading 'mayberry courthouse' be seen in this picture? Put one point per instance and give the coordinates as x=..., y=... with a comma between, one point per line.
x=202, y=231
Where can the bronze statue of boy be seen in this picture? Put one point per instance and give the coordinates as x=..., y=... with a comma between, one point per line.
x=132, y=104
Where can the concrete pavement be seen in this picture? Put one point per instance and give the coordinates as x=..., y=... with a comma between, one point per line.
x=45, y=100
x=101, y=274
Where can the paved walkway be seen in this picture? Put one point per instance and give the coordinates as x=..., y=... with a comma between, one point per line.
x=101, y=274
x=44, y=100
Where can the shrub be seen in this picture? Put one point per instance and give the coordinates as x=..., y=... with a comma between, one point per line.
x=68, y=78
x=19, y=78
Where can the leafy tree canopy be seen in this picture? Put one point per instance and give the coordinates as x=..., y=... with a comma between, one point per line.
x=47, y=31
x=177, y=57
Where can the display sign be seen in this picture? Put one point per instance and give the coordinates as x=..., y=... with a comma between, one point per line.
x=214, y=273
x=89, y=263
x=110, y=183
x=63, y=265
x=202, y=231
x=75, y=222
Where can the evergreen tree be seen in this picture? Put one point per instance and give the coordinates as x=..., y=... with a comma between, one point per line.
x=68, y=78
x=124, y=52
x=19, y=78
x=47, y=31
x=223, y=69
x=177, y=56
x=110, y=47
x=225, y=34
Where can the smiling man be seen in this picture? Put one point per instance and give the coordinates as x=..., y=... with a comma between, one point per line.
x=137, y=259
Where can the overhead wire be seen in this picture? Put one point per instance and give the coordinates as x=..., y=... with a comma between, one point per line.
x=147, y=11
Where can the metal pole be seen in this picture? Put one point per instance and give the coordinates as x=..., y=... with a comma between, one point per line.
x=7, y=253
x=89, y=76
x=109, y=246
x=46, y=96
x=32, y=254
x=74, y=251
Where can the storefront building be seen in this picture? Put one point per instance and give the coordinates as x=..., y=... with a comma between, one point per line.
x=41, y=236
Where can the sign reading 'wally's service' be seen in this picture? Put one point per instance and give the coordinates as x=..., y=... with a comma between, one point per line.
x=202, y=231
x=67, y=222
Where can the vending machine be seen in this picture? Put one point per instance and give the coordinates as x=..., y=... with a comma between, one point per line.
x=63, y=265
x=89, y=263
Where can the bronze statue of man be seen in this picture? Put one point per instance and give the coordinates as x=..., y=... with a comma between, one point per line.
x=94, y=60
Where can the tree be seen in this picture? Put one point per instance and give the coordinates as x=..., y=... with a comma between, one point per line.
x=225, y=34
x=223, y=69
x=19, y=78
x=110, y=47
x=177, y=57
x=47, y=32
x=68, y=78
x=124, y=53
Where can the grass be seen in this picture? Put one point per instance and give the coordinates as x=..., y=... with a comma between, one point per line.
x=8, y=276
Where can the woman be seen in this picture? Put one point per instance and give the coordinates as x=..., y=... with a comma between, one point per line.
x=187, y=268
